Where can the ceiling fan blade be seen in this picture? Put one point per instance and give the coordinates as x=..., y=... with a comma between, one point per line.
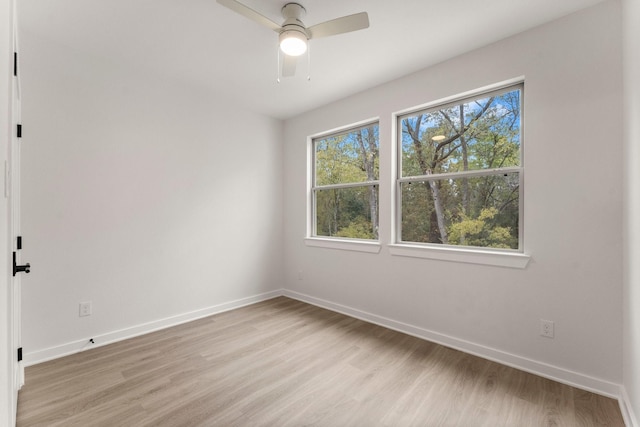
x=250, y=13
x=289, y=65
x=358, y=21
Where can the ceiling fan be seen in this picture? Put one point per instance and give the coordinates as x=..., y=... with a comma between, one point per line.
x=293, y=35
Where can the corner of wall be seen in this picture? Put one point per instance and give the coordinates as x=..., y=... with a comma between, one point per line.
x=630, y=418
x=631, y=224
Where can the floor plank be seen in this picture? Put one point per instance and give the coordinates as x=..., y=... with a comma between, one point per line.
x=286, y=363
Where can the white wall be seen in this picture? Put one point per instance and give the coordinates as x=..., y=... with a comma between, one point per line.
x=572, y=211
x=153, y=199
x=631, y=14
x=147, y=197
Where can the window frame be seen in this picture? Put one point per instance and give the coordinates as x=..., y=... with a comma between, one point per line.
x=332, y=242
x=507, y=257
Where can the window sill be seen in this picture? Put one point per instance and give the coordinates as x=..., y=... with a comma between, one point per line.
x=345, y=245
x=469, y=256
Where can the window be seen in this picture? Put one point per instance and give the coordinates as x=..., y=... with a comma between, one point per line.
x=460, y=173
x=345, y=184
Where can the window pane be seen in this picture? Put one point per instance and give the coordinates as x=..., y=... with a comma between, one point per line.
x=347, y=212
x=478, y=134
x=475, y=211
x=347, y=158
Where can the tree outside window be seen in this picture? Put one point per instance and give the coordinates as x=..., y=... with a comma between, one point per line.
x=345, y=184
x=460, y=172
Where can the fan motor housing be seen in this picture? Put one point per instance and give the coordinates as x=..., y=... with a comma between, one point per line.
x=293, y=12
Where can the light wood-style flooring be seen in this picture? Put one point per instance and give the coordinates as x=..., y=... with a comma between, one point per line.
x=286, y=363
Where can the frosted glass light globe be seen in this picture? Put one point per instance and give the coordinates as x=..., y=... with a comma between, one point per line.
x=293, y=43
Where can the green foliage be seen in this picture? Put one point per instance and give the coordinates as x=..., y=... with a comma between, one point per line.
x=346, y=212
x=417, y=209
x=481, y=231
x=358, y=228
x=480, y=210
x=348, y=158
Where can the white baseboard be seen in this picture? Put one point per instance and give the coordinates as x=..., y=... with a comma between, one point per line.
x=565, y=376
x=626, y=408
x=554, y=373
x=145, y=328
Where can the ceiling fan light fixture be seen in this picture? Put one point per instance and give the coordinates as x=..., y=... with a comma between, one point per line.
x=293, y=42
x=293, y=35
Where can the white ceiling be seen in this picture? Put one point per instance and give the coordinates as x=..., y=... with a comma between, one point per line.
x=235, y=58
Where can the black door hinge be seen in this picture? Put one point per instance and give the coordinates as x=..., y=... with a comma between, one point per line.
x=15, y=63
x=19, y=132
x=20, y=354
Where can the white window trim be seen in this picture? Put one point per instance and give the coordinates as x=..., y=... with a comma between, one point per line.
x=517, y=259
x=355, y=245
x=359, y=245
x=462, y=254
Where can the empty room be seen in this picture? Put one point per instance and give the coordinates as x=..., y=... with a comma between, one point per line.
x=330, y=213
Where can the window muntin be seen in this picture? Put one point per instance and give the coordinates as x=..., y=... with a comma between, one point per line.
x=345, y=183
x=460, y=172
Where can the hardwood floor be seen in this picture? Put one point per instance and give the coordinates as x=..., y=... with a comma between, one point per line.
x=286, y=363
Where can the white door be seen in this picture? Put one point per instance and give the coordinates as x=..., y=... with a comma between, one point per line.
x=19, y=268
x=16, y=239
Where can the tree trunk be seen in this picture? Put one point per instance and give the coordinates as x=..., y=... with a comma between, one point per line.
x=465, y=167
x=373, y=203
x=432, y=185
x=369, y=153
x=336, y=215
x=437, y=203
x=465, y=163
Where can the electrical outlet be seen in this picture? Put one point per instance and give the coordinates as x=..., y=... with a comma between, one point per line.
x=85, y=309
x=546, y=328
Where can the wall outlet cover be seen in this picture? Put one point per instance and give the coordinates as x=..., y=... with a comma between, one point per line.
x=547, y=328
x=85, y=309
